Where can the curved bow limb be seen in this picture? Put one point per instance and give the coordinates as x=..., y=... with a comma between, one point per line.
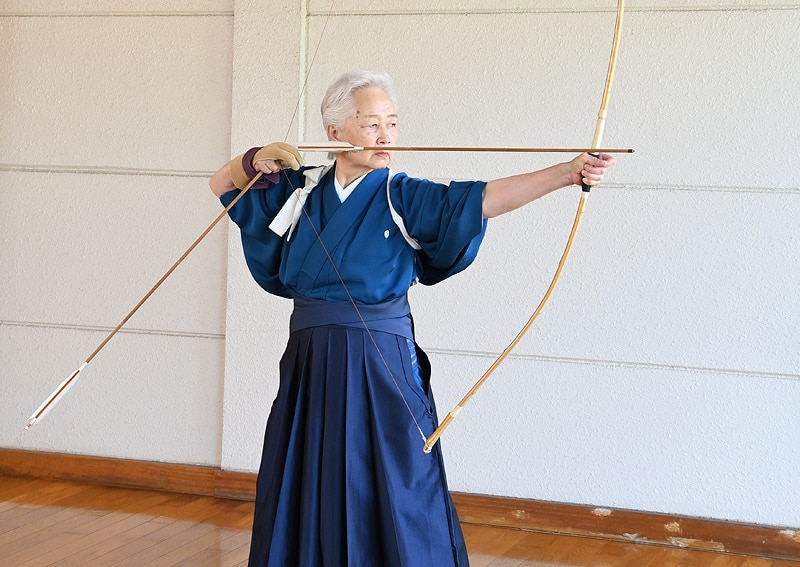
x=600, y=125
x=596, y=141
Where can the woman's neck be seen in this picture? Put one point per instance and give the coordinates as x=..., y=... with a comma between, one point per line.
x=346, y=175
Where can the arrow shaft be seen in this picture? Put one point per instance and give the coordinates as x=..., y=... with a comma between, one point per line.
x=62, y=389
x=335, y=147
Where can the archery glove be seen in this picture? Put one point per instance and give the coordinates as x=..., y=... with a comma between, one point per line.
x=242, y=167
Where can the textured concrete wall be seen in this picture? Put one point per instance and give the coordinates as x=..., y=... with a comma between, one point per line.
x=664, y=375
x=267, y=78
x=112, y=121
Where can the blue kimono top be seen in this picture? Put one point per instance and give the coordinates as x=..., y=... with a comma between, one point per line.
x=364, y=242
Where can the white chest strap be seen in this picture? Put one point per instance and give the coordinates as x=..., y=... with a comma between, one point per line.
x=398, y=220
x=289, y=215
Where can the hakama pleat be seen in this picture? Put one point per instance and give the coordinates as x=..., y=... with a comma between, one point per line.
x=343, y=479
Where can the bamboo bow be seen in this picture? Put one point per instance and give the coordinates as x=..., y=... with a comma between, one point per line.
x=65, y=386
x=596, y=141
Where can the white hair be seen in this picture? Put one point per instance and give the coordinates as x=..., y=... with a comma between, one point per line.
x=337, y=104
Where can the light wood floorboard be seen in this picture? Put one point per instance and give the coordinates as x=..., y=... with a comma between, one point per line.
x=66, y=524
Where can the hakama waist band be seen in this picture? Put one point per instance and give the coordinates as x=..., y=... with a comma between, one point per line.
x=392, y=316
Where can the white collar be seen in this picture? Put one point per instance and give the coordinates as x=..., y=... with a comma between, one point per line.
x=344, y=192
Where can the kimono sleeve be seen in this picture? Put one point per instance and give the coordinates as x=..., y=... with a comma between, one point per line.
x=263, y=249
x=446, y=220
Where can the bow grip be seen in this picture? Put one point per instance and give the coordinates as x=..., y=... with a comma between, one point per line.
x=586, y=188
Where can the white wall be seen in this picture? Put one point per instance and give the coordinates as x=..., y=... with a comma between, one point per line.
x=112, y=121
x=664, y=374
x=267, y=79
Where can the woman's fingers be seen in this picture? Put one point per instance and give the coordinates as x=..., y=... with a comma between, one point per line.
x=596, y=167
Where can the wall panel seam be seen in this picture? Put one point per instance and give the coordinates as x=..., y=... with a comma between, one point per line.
x=133, y=171
x=113, y=14
x=542, y=10
x=126, y=330
x=621, y=364
x=707, y=188
x=100, y=170
x=666, y=188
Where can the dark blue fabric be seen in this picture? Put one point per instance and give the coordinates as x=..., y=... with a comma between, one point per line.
x=364, y=244
x=412, y=349
x=343, y=479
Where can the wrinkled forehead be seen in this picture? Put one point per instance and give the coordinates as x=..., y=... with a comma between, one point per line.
x=373, y=102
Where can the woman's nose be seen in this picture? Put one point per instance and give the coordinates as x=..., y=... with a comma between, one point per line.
x=384, y=135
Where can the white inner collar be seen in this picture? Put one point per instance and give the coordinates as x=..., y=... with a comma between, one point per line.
x=344, y=192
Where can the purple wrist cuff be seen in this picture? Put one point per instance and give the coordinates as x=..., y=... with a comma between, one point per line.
x=247, y=165
x=247, y=162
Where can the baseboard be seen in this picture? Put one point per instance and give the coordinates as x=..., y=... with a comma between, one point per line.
x=632, y=526
x=147, y=475
x=549, y=517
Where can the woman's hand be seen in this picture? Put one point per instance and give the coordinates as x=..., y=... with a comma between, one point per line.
x=275, y=157
x=267, y=166
x=240, y=170
x=589, y=169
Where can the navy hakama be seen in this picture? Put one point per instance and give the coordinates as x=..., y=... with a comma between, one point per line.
x=343, y=478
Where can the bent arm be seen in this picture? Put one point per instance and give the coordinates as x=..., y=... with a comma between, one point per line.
x=221, y=182
x=240, y=170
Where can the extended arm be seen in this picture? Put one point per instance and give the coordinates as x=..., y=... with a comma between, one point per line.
x=509, y=193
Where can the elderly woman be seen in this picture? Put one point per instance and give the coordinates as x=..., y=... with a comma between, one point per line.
x=343, y=478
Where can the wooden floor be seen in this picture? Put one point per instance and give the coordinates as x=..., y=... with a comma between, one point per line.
x=63, y=524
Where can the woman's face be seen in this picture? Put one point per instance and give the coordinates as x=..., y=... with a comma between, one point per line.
x=373, y=123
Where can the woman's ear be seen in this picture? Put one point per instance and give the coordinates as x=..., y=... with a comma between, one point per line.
x=333, y=133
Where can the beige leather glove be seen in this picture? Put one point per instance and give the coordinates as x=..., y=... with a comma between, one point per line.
x=242, y=167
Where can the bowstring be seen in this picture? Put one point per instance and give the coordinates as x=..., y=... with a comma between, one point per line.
x=308, y=72
x=358, y=313
x=319, y=236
